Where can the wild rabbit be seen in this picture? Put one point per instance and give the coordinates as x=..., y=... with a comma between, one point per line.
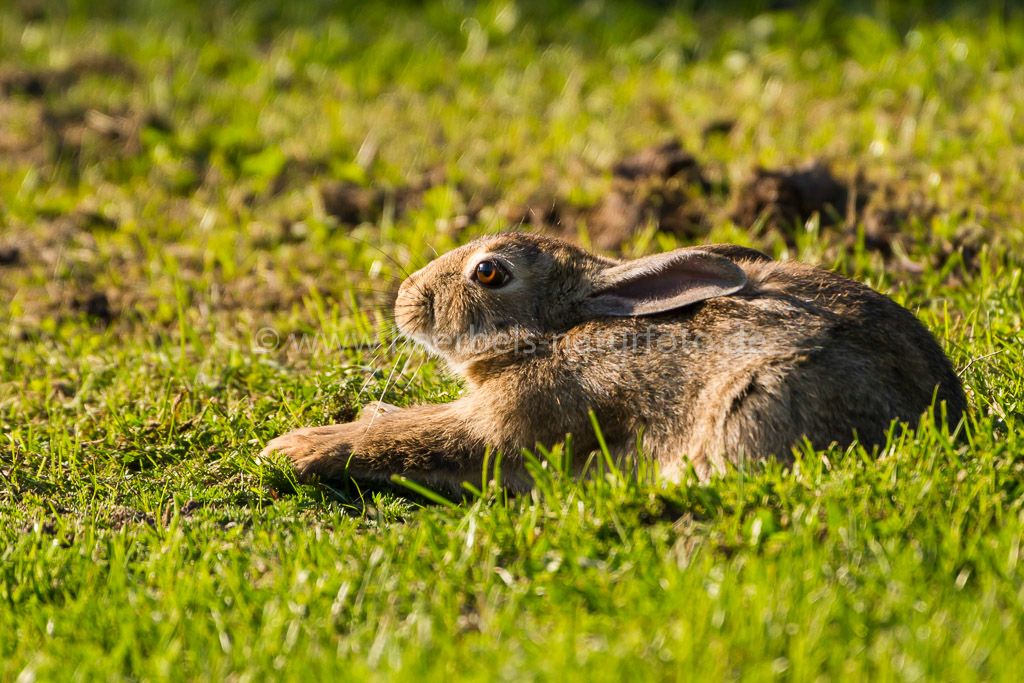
x=704, y=356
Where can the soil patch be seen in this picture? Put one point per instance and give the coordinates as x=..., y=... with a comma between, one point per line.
x=351, y=203
x=663, y=162
x=121, y=516
x=10, y=256
x=887, y=213
x=785, y=199
x=116, y=131
x=95, y=305
x=718, y=127
x=42, y=81
x=663, y=185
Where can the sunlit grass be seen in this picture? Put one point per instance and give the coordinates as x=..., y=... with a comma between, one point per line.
x=139, y=538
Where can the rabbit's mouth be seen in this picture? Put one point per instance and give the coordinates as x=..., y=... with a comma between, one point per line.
x=415, y=320
x=424, y=335
x=415, y=328
x=424, y=339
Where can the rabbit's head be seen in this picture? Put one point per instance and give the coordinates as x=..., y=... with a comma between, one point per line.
x=491, y=293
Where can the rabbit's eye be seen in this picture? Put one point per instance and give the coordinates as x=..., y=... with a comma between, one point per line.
x=490, y=274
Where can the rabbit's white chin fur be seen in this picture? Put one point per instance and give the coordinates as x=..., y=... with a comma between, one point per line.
x=425, y=340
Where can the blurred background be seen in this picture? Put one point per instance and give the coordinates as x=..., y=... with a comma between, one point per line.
x=143, y=139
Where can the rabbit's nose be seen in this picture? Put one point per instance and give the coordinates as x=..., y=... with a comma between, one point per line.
x=411, y=289
x=414, y=304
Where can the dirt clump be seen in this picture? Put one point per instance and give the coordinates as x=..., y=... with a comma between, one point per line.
x=121, y=516
x=10, y=255
x=84, y=219
x=785, y=199
x=886, y=214
x=410, y=196
x=663, y=185
x=718, y=127
x=40, y=132
x=32, y=83
x=351, y=203
x=662, y=162
x=38, y=82
x=94, y=305
x=190, y=506
x=964, y=248
x=73, y=131
x=298, y=172
x=543, y=212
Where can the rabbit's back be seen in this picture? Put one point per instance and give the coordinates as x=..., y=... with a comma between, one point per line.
x=800, y=352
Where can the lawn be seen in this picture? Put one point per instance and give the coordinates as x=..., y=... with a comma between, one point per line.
x=204, y=214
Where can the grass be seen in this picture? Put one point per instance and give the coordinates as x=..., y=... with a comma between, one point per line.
x=180, y=295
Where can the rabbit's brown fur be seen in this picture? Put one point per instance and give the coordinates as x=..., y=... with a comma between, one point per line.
x=710, y=355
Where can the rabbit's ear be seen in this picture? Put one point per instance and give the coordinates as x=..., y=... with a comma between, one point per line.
x=664, y=282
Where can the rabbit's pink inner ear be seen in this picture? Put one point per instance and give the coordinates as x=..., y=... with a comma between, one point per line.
x=665, y=282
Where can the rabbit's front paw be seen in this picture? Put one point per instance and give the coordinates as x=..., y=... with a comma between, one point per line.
x=315, y=450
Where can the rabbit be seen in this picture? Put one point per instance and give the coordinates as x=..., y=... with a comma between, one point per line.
x=703, y=357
